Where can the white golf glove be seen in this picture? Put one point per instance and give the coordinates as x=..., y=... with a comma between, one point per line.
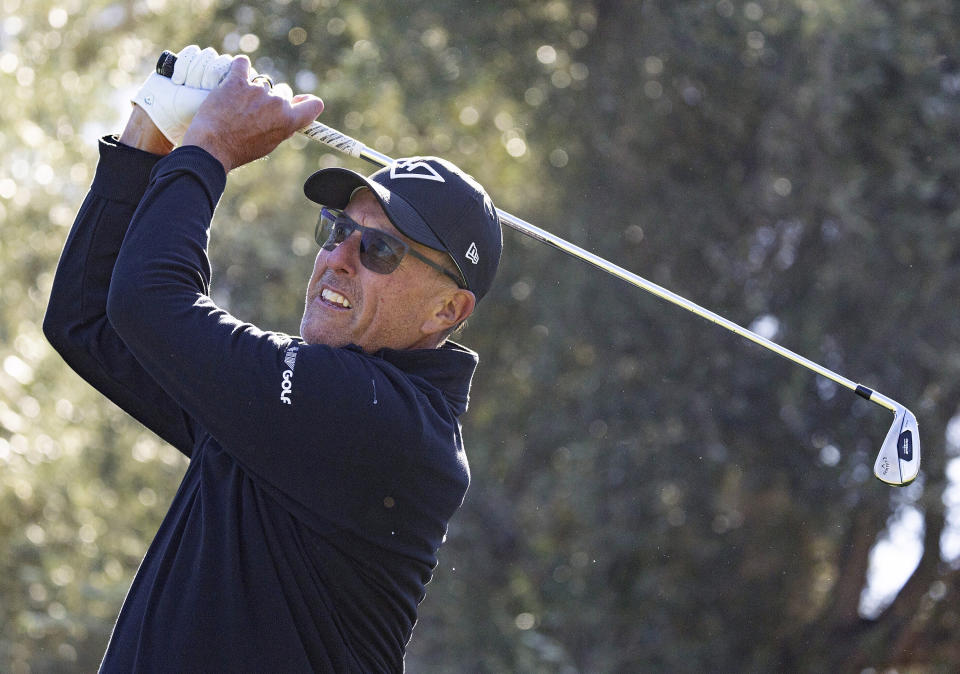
x=171, y=102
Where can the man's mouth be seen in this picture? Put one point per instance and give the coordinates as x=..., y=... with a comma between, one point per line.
x=334, y=298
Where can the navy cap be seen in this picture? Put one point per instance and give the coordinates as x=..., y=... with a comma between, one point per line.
x=434, y=203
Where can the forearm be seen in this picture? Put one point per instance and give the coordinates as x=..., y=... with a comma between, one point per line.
x=164, y=262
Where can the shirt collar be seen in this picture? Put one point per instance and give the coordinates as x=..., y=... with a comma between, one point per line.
x=449, y=368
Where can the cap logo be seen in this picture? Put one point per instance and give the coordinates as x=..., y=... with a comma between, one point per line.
x=410, y=168
x=472, y=253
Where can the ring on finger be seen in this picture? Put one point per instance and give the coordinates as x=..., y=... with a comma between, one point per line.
x=263, y=78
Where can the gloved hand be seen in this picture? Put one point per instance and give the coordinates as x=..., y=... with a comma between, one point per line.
x=171, y=102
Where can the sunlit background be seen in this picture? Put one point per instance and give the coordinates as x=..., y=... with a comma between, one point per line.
x=649, y=493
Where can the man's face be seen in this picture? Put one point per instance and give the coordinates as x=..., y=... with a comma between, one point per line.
x=349, y=304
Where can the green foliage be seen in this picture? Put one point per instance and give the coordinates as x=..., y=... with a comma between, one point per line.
x=649, y=492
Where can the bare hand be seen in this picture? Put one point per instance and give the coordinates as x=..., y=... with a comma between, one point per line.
x=241, y=121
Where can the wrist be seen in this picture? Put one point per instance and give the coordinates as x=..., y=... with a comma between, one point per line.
x=209, y=142
x=141, y=133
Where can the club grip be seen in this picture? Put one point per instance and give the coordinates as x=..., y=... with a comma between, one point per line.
x=165, y=63
x=315, y=131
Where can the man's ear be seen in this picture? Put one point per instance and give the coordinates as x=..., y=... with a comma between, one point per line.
x=451, y=309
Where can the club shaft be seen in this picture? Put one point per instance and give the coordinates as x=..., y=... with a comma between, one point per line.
x=339, y=141
x=354, y=148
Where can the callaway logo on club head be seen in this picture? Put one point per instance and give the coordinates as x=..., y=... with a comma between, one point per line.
x=410, y=168
x=905, y=446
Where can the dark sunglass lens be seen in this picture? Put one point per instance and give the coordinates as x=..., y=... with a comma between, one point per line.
x=378, y=253
x=332, y=232
x=341, y=231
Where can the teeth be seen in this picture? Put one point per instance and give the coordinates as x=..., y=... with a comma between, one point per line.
x=335, y=297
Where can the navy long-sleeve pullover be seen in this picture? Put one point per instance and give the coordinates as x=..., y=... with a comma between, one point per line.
x=321, y=480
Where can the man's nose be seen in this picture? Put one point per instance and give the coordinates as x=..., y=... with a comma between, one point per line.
x=346, y=256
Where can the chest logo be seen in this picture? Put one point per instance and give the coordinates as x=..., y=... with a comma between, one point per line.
x=286, y=383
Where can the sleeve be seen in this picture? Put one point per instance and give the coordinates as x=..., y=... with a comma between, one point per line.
x=309, y=420
x=76, y=322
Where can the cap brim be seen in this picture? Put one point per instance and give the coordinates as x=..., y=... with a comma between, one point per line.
x=334, y=186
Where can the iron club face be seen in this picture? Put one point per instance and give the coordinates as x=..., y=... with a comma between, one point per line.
x=899, y=460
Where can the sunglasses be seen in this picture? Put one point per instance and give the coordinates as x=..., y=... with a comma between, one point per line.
x=380, y=252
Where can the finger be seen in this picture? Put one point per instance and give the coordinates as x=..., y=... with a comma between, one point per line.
x=184, y=59
x=239, y=69
x=305, y=110
x=199, y=65
x=216, y=71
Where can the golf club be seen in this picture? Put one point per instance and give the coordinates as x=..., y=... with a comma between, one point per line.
x=898, y=462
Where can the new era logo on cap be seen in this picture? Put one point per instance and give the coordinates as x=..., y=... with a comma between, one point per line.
x=472, y=253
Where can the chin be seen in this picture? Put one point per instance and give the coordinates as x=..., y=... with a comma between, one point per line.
x=316, y=337
x=305, y=331
x=311, y=334
x=314, y=334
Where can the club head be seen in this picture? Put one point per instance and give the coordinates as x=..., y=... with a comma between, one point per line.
x=899, y=460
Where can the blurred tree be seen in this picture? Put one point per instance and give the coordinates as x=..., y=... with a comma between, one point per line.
x=649, y=492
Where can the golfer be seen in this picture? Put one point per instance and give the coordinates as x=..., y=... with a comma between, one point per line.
x=323, y=468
